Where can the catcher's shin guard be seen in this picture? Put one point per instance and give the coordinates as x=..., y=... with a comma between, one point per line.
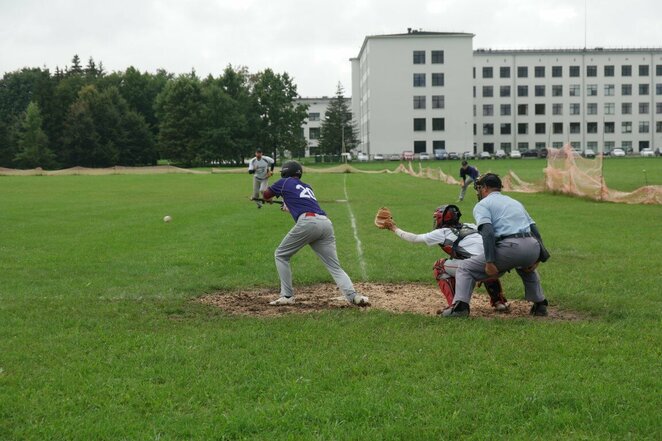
x=494, y=290
x=447, y=288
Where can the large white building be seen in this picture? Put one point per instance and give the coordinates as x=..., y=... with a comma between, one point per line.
x=421, y=91
x=312, y=125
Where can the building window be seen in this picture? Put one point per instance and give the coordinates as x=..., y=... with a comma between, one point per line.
x=643, y=89
x=643, y=145
x=609, y=146
x=438, y=124
x=505, y=90
x=658, y=70
x=574, y=109
x=420, y=146
x=313, y=116
x=592, y=108
x=626, y=108
x=487, y=72
x=609, y=71
x=488, y=91
x=557, y=109
x=437, y=57
x=610, y=127
x=419, y=57
x=419, y=102
x=658, y=127
x=592, y=127
x=522, y=90
x=592, y=71
x=506, y=146
x=540, y=128
x=438, y=101
x=540, y=90
x=522, y=71
x=437, y=79
x=488, y=129
x=419, y=80
x=557, y=71
x=504, y=72
x=610, y=108
x=505, y=109
x=592, y=90
x=658, y=108
x=643, y=70
x=522, y=109
x=438, y=145
x=644, y=108
x=574, y=90
x=540, y=109
x=522, y=128
x=557, y=90
x=626, y=70
x=557, y=128
x=626, y=127
x=626, y=89
x=575, y=127
x=419, y=124
x=539, y=71
x=658, y=89
x=557, y=145
x=505, y=129
x=626, y=145
x=610, y=90
x=574, y=71
x=643, y=126
x=488, y=110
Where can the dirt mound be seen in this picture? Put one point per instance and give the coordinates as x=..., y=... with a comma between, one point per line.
x=399, y=298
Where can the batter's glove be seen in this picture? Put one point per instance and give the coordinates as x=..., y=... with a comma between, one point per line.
x=384, y=219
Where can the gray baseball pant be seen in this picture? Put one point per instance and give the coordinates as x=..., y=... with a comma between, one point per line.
x=467, y=182
x=316, y=231
x=514, y=253
x=259, y=185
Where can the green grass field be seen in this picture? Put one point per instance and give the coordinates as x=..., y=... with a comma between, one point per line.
x=100, y=336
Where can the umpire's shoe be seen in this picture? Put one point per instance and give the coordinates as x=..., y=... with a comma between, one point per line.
x=540, y=308
x=459, y=309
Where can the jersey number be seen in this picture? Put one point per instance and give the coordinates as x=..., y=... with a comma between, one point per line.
x=305, y=192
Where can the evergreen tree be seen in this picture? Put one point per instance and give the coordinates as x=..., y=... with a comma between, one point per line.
x=33, y=142
x=338, y=133
x=75, y=69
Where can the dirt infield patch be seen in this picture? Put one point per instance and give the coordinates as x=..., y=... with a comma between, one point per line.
x=398, y=298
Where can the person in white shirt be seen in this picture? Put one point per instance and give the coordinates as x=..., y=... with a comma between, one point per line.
x=261, y=167
x=460, y=241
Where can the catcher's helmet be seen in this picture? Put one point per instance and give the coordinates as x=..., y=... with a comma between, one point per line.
x=446, y=215
x=291, y=169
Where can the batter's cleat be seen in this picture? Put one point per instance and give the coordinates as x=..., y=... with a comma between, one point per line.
x=360, y=300
x=459, y=309
x=259, y=205
x=539, y=309
x=282, y=300
x=502, y=307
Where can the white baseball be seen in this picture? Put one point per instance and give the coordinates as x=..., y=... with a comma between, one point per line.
x=167, y=219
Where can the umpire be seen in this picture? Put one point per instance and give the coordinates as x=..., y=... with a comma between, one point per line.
x=511, y=241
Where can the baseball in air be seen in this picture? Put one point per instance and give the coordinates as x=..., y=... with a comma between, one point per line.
x=167, y=219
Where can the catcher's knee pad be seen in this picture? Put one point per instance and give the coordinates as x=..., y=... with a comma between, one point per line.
x=438, y=269
x=447, y=288
x=493, y=287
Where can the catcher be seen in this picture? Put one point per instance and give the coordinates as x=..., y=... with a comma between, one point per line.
x=460, y=241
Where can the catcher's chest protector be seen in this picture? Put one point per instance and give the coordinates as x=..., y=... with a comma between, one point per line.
x=452, y=248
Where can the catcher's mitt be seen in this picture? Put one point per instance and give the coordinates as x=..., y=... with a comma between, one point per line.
x=384, y=219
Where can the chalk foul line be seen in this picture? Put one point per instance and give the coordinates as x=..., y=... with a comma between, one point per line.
x=359, y=247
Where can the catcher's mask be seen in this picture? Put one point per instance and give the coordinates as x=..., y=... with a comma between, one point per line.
x=291, y=169
x=446, y=215
x=488, y=180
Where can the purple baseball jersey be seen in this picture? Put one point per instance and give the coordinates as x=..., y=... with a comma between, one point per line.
x=298, y=196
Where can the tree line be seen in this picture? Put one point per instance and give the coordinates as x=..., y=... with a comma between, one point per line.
x=84, y=116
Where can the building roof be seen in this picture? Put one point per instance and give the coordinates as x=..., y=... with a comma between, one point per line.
x=414, y=33
x=595, y=50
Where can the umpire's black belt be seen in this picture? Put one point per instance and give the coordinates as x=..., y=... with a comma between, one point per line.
x=513, y=236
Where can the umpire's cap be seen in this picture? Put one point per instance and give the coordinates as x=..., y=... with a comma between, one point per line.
x=489, y=180
x=291, y=169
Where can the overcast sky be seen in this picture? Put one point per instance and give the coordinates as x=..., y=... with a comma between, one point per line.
x=310, y=40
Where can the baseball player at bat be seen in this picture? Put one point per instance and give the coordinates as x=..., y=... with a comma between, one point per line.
x=311, y=227
x=261, y=167
x=460, y=241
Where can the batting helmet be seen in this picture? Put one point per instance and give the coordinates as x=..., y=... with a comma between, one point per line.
x=446, y=215
x=291, y=169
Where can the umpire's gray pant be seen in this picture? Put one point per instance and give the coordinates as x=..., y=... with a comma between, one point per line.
x=514, y=253
x=316, y=231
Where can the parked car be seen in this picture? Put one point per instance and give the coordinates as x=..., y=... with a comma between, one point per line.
x=468, y=155
x=440, y=154
x=378, y=157
x=485, y=155
x=394, y=157
x=500, y=154
x=618, y=153
x=542, y=153
x=515, y=154
x=407, y=155
x=532, y=153
x=362, y=157
x=647, y=153
x=424, y=156
x=453, y=155
x=589, y=153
